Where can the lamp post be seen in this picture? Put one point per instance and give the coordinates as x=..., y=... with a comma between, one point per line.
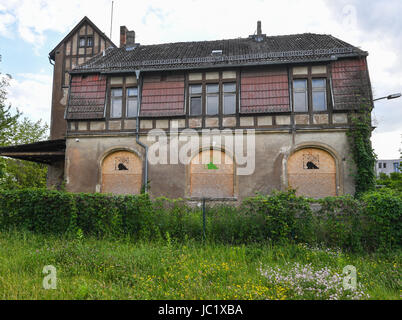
x=390, y=97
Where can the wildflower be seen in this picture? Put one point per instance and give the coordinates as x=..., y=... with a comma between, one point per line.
x=306, y=282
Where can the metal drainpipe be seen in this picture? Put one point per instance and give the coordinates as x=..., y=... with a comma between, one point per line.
x=140, y=82
x=292, y=113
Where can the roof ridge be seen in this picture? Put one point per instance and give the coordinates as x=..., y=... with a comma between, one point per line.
x=231, y=39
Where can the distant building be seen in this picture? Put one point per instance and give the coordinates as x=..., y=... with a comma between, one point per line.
x=388, y=166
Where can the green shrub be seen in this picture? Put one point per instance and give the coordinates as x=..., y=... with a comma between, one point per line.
x=393, y=181
x=383, y=219
x=369, y=223
x=338, y=223
x=37, y=210
x=372, y=222
x=280, y=217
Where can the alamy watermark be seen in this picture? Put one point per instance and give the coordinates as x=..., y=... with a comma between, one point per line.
x=350, y=278
x=50, y=280
x=174, y=148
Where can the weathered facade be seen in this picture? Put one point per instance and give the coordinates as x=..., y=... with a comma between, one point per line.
x=292, y=97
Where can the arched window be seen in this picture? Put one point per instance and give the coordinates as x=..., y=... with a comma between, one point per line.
x=122, y=173
x=312, y=172
x=212, y=175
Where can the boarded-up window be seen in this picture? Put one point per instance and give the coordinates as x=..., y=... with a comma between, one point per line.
x=312, y=172
x=122, y=173
x=212, y=175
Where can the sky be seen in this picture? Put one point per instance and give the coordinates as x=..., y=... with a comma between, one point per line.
x=30, y=29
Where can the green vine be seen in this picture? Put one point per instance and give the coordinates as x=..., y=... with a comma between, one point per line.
x=363, y=154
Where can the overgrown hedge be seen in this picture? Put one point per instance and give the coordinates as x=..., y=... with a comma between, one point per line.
x=368, y=223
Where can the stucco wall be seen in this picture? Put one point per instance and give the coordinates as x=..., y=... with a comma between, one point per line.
x=273, y=149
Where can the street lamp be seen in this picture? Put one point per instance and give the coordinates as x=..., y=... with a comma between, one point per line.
x=390, y=97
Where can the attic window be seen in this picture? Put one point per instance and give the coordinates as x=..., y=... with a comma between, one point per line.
x=82, y=41
x=86, y=41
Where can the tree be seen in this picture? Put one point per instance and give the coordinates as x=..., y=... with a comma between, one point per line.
x=7, y=120
x=14, y=130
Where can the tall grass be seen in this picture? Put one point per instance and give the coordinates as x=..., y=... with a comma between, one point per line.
x=93, y=268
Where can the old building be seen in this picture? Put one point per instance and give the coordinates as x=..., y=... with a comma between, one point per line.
x=273, y=113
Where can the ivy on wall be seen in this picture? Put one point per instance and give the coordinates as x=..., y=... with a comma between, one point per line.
x=362, y=152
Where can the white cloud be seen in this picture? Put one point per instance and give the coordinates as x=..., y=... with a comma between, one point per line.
x=31, y=94
x=6, y=20
x=387, y=144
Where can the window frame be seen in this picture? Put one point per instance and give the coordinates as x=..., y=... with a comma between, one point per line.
x=124, y=86
x=195, y=95
x=220, y=82
x=212, y=94
x=127, y=98
x=86, y=38
x=111, y=102
x=310, y=77
x=224, y=93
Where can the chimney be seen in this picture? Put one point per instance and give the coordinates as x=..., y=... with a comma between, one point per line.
x=259, y=30
x=127, y=38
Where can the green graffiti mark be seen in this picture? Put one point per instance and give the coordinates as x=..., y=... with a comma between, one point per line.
x=211, y=166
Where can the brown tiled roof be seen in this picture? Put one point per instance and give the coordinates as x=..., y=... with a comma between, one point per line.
x=87, y=98
x=241, y=51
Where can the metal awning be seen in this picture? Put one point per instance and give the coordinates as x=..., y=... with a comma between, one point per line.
x=46, y=152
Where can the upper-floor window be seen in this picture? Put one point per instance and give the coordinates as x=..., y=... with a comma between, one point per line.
x=213, y=94
x=310, y=89
x=229, y=98
x=116, y=103
x=90, y=41
x=212, y=99
x=131, y=102
x=319, y=94
x=123, y=97
x=86, y=41
x=300, y=95
x=195, y=100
